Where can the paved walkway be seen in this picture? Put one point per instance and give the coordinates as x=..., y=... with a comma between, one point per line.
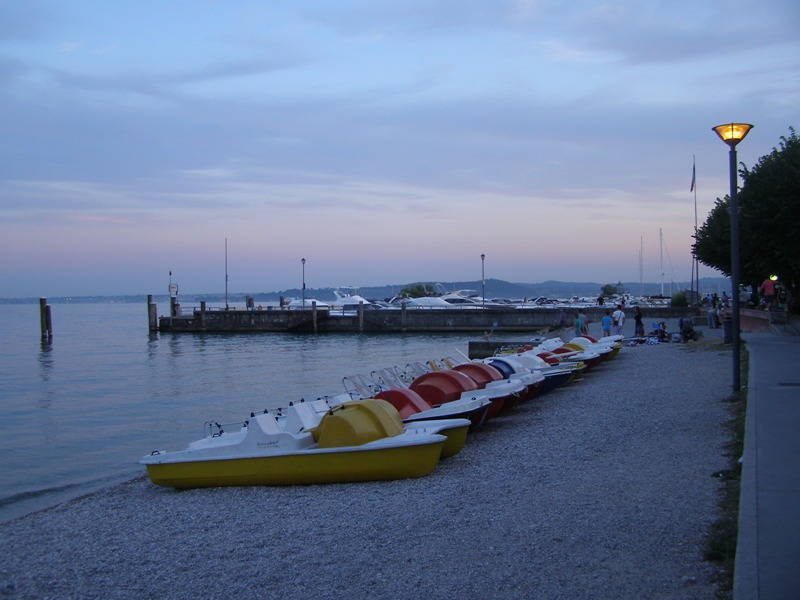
x=768, y=549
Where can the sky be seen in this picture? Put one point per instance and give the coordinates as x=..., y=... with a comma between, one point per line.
x=385, y=142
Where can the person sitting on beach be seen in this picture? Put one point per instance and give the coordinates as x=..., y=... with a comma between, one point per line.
x=687, y=329
x=605, y=323
x=663, y=335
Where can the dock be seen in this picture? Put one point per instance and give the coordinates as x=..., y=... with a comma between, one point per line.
x=402, y=320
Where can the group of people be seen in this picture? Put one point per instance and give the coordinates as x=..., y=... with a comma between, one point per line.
x=611, y=322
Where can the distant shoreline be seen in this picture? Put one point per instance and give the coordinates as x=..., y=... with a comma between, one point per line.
x=494, y=288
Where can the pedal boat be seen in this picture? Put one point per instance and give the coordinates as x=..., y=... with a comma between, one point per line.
x=554, y=375
x=512, y=369
x=608, y=349
x=359, y=441
x=441, y=387
x=305, y=416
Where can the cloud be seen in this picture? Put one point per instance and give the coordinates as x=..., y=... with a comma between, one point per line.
x=68, y=47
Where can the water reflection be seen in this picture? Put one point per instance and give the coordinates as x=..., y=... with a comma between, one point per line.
x=152, y=346
x=46, y=361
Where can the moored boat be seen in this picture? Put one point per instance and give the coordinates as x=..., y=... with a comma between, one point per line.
x=359, y=441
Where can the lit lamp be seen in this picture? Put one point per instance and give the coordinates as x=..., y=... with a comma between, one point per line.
x=732, y=134
x=303, y=262
x=483, y=282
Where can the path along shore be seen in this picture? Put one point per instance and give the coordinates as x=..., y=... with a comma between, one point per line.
x=603, y=489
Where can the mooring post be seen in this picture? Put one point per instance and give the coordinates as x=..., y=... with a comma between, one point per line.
x=203, y=314
x=403, y=316
x=43, y=318
x=152, y=317
x=49, y=322
x=360, y=316
x=314, y=314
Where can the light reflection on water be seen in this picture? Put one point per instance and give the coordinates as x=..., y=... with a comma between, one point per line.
x=79, y=412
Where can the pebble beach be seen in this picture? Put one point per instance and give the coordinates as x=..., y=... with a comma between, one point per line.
x=601, y=489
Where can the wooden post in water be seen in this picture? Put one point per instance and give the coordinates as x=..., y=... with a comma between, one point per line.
x=360, y=316
x=314, y=314
x=49, y=321
x=203, y=314
x=403, y=316
x=45, y=319
x=152, y=314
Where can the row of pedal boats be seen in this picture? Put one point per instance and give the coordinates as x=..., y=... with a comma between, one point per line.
x=393, y=423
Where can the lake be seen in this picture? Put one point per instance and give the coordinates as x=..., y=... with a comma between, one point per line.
x=78, y=413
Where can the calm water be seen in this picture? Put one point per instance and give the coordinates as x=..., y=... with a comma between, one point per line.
x=77, y=414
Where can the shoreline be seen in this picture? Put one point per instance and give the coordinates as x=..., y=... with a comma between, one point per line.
x=601, y=488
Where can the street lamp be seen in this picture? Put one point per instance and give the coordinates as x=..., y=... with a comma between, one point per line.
x=483, y=281
x=303, y=262
x=732, y=134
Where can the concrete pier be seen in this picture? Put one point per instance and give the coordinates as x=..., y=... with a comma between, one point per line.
x=316, y=320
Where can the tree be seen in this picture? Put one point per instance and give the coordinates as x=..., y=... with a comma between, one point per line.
x=608, y=290
x=769, y=222
x=679, y=300
x=417, y=290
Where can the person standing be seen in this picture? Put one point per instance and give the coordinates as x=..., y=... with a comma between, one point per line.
x=578, y=324
x=639, y=325
x=767, y=289
x=605, y=323
x=584, y=323
x=618, y=320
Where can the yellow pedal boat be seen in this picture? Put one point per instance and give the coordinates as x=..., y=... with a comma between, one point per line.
x=360, y=441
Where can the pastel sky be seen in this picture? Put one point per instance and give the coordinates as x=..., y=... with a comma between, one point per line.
x=385, y=142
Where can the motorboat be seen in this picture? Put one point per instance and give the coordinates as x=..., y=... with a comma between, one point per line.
x=350, y=302
x=307, y=304
x=359, y=441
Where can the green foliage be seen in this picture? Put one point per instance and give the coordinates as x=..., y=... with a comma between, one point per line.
x=769, y=227
x=417, y=290
x=608, y=290
x=679, y=300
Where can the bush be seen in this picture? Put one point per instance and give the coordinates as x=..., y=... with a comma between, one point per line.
x=679, y=300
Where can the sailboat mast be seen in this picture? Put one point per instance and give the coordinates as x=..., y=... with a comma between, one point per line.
x=226, y=273
x=641, y=265
x=661, y=255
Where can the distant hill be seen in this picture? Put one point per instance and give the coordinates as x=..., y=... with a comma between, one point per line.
x=495, y=288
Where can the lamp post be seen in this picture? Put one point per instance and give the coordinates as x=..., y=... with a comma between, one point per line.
x=732, y=134
x=483, y=281
x=303, y=263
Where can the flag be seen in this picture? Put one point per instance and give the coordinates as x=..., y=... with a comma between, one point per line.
x=691, y=187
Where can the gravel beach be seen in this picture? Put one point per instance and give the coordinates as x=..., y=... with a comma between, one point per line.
x=602, y=489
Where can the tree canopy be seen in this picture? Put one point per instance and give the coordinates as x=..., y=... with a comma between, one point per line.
x=418, y=290
x=769, y=221
x=608, y=290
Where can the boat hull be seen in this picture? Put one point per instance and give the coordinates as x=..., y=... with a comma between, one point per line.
x=456, y=438
x=303, y=468
x=476, y=416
